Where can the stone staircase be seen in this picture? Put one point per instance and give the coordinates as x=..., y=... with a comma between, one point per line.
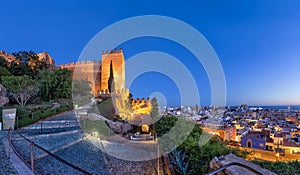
x=141, y=137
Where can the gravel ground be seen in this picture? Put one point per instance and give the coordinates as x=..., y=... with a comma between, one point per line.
x=54, y=142
x=82, y=154
x=48, y=166
x=86, y=156
x=124, y=167
x=6, y=167
x=34, y=132
x=50, y=143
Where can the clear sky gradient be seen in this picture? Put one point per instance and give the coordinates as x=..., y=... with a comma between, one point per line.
x=257, y=41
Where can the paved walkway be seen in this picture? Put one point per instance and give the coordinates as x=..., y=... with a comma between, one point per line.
x=12, y=165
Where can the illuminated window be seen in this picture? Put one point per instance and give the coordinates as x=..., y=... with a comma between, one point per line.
x=145, y=128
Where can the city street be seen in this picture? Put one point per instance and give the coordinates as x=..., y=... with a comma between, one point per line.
x=268, y=155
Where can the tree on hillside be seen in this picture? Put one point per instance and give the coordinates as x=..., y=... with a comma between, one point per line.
x=111, y=83
x=3, y=62
x=123, y=106
x=27, y=63
x=4, y=72
x=82, y=88
x=20, y=66
x=154, y=109
x=21, y=87
x=63, y=86
x=165, y=124
x=189, y=157
x=81, y=91
x=55, y=83
x=45, y=79
x=106, y=109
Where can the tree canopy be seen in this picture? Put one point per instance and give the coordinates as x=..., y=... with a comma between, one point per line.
x=111, y=83
x=22, y=87
x=4, y=72
x=27, y=75
x=189, y=157
x=81, y=88
x=27, y=63
x=123, y=105
x=154, y=113
x=286, y=168
x=54, y=84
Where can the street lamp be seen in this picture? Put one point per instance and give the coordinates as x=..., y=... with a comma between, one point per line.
x=277, y=155
x=277, y=151
x=41, y=119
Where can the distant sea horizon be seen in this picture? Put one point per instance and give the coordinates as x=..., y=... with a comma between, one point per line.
x=278, y=107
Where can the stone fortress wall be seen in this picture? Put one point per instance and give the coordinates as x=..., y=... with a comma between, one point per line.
x=142, y=106
x=43, y=55
x=98, y=72
x=89, y=70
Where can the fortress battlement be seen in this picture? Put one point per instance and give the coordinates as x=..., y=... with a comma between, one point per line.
x=141, y=106
x=79, y=63
x=112, y=51
x=140, y=101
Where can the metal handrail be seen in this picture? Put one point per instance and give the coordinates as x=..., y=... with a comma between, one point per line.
x=48, y=152
x=235, y=164
x=16, y=152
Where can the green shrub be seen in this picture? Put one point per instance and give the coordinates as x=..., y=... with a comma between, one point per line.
x=48, y=113
x=100, y=127
x=62, y=108
x=27, y=120
x=37, y=114
x=285, y=168
x=106, y=109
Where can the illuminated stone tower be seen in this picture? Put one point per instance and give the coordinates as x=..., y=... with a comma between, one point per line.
x=97, y=72
x=118, y=63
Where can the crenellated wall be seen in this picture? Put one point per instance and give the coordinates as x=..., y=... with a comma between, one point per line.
x=141, y=106
x=98, y=72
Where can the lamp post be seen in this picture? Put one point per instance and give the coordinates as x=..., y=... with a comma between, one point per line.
x=277, y=151
x=41, y=125
x=277, y=155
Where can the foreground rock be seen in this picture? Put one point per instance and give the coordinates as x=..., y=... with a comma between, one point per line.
x=217, y=163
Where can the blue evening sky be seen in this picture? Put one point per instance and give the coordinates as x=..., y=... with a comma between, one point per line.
x=257, y=41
